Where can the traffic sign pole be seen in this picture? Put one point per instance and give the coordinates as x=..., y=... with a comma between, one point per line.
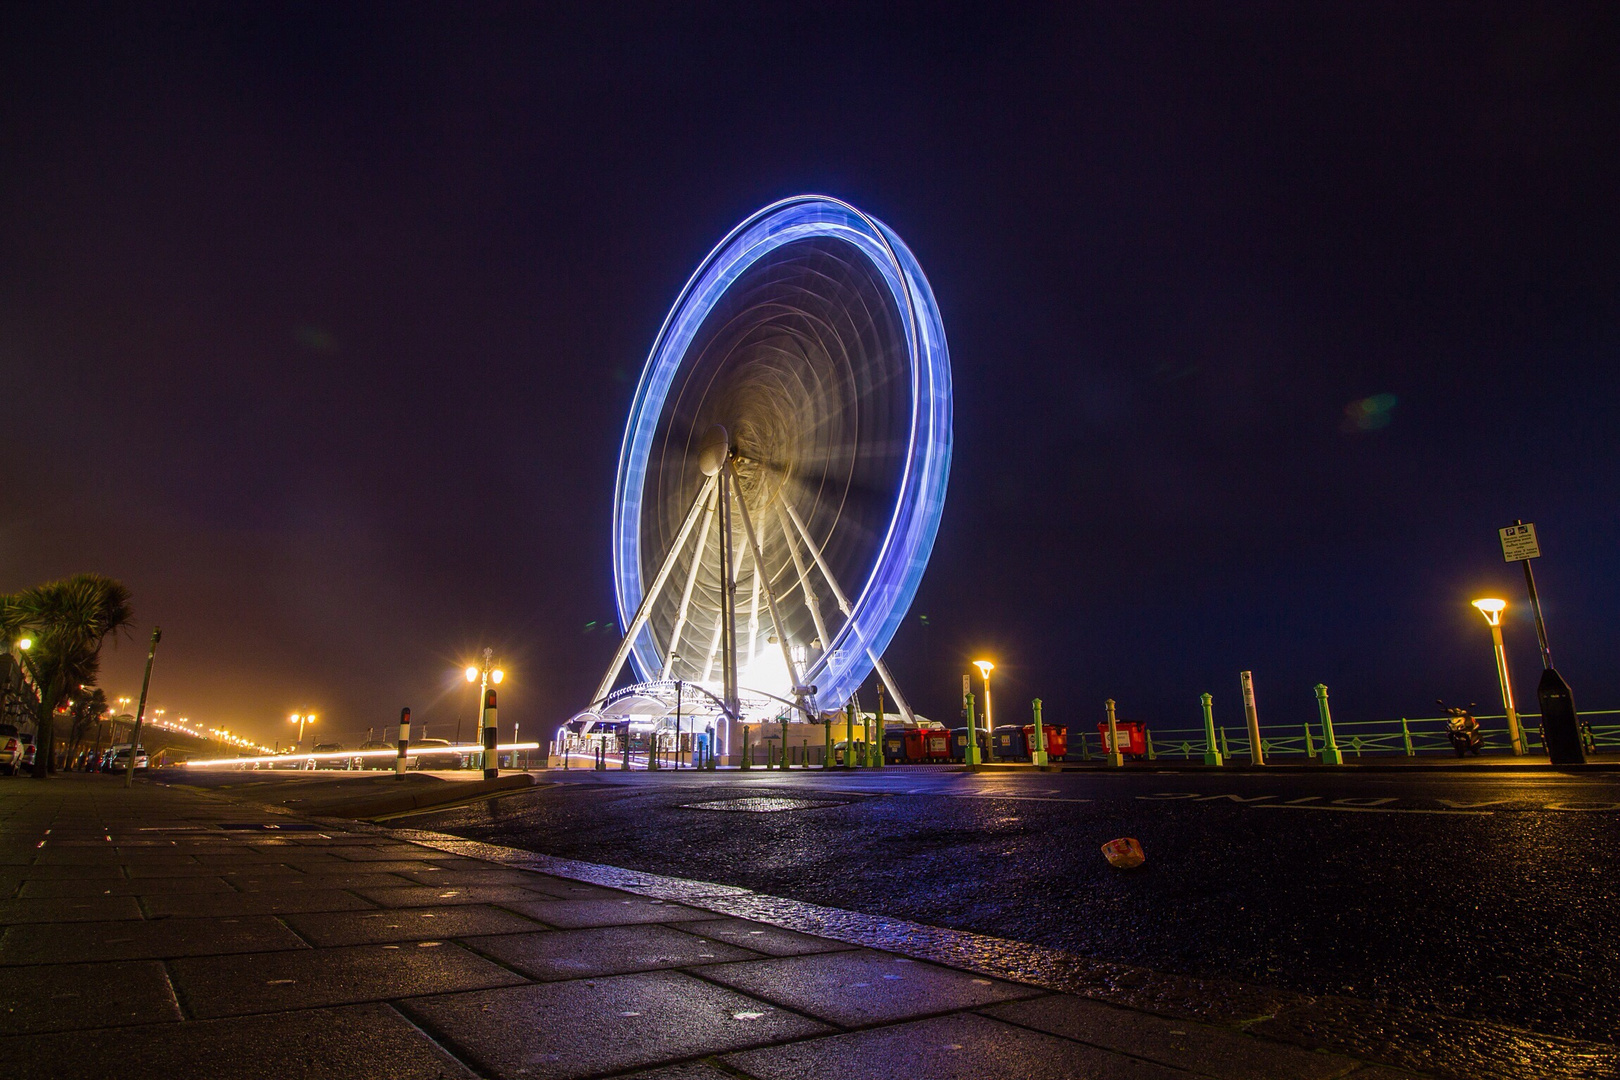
x=1560, y=724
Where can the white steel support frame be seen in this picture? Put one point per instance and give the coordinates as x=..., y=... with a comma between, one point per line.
x=843, y=605
x=809, y=590
x=686, y=593
x=644, y=609
x=728, y=596
x=770, y=596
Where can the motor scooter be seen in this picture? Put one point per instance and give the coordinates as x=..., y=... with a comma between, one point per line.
x=1462, y=729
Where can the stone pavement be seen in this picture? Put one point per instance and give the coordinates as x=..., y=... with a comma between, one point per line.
x=163, y=932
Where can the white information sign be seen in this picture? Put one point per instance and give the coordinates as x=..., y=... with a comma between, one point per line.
x=1519, y=543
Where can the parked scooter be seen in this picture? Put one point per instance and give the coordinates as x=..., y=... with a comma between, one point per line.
x=1462, y=729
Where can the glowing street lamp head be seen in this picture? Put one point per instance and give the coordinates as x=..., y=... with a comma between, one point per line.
x=472, y=673
x=25, y=643
x=1491, y=609
x=497, y=675
x=985, y=668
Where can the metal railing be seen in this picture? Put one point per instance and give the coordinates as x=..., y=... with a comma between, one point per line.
x=1400, y=736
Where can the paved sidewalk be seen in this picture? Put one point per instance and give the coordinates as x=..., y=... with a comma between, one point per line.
x=167, y=933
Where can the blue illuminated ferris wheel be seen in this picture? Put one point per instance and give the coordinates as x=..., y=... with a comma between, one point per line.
x=785, y=463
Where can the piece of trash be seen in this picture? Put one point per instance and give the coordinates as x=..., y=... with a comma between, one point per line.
x=1124, y=853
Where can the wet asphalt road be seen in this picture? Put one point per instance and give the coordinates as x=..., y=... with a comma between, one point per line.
x=1490, y=896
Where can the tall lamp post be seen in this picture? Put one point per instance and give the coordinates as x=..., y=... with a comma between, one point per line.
x=301, y=719
x=1492, y=610
x=985, y=668
x=484, y=675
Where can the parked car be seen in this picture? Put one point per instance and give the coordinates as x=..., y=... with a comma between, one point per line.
x=374, y=760
x=29, y=751
x=430, y=756
x=332, y=763
x=10, y=749
x=116, y=759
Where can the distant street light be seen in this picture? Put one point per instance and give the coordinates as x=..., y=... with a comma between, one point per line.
x=484, y=675
x=985, y=668
x=301, y=719
x=1492, y=610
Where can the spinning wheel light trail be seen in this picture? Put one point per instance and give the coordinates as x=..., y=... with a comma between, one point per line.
x=800, y=388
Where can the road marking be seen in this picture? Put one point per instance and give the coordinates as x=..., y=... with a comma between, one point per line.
x=1370, y=809
x=1455, y=805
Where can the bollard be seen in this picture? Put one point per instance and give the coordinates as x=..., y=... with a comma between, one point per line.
x=1037, y=753
x=970, y=754
x=1257, y=750
x=849, y=734
x=746, y=763
x=1115, y=757
x=1085, y=747
x=826, y=745
x=1147, y=735
x=1406, y=737
x=1225, y=753
x=404, y=743
x=784, y=762
x=1310, y=747
x=491, y=761
x=1331, y=755
x=1212, y=756
x=624, y=745
x=652, y=751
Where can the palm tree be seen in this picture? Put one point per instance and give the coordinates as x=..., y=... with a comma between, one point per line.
x=84, y=710
x=68, y=621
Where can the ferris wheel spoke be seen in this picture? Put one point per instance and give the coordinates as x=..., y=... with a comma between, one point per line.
x=770, y=596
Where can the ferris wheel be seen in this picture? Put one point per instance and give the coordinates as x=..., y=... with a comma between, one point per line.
x=784, y=465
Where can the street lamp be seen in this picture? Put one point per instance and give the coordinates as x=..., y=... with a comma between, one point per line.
x=985, y=668
x=301, y=719
x=485, y=675
x=1492, y=610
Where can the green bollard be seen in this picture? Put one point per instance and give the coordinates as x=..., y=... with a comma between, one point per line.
x=1147, y=734
x=1406, y=737
x=826, y=747
x=783, y=764
x=746, y=764
x=1331, y=755
x=1212, y=756
x=1225, y=753
x=849, y=734
x=1037, y=753
x=970, y=755
x=1310, y=747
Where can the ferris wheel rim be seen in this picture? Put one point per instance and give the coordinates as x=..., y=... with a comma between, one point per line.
x=883, y=597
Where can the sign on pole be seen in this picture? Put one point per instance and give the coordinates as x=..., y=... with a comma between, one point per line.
x=1519, y=543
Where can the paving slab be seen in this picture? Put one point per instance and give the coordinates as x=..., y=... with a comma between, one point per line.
x=68, y=909
x=46, y=943
x=575, y=914
x=214, y=905
x=62, y=997
x=214, y=986
x=523, y=879
x=634, y=1021
x=862, y=987
x=959, y=1047
x=36, y=872
x=604, y=950
x=424, y=895
x=407, y=924
x=762, y=937
x=293, y=879
x=321, y=1044
x=1217, y=1052
x=48, y=888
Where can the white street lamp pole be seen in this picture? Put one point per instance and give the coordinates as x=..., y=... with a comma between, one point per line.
x=1492, y=610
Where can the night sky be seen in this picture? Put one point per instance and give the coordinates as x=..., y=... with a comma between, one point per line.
x=319, y=325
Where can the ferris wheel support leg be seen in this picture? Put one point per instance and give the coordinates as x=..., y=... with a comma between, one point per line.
x=645, y=607
x=770, y=598
x=809, y=590
x=686, y=593
x=728, y=597
x=843, y=605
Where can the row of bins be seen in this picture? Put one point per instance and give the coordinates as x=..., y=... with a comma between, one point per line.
x=914, y=746
x=1012, y=743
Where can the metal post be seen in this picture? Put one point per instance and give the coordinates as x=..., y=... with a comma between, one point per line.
x=1331, y=754
x=624, y=746
x=1212, y=756
x=1147, y=736
x=1115, y=756
x=1515, y=732
x=970, y=754
x=989, y=723
x=1310, y=747
x=492, y=764
x=1406, y=738
x=849, y=734
x=1257, y=753
x=826, y=746
x=747, y=754
x=135, y=735
x=1225, y=752
x=404, y=743
x=784, y=762
x=1037, y=753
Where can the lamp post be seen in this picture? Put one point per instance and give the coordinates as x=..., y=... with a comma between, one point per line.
x=484, y=675
x=1492, y=610
x=301, y=719
x=985, y=668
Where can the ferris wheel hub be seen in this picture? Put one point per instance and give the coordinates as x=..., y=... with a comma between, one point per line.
x=714, y=451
